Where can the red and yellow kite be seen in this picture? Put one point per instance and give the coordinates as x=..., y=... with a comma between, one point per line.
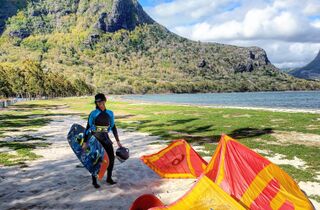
x=253, y=180
x=204, y=195
x=178, y=160
x=235, y=178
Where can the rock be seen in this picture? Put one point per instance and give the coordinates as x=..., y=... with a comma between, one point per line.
x=36, y=13
x=240, y=68
x=94, y=38
x=243, y=67
x=259, y=55
x=101, y=25
x=67, y=12
x=251, y=55
x=202, y=64
x=126, y=14
x=249, y=67
x=21, y=33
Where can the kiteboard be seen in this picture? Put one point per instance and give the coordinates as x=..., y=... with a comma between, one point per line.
x=90, y=153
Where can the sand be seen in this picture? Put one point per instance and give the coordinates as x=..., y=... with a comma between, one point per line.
x=57, y=180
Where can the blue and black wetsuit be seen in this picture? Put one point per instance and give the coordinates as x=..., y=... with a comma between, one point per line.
x=104, y=119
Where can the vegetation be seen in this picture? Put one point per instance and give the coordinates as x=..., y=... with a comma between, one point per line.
x=22, y=152
x=30, y=80
x=198, y=125
x=63, y=38
x=17, y=125
x=204, y=126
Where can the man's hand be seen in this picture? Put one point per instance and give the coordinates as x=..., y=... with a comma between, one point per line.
x=119, y=144
x=84, y=145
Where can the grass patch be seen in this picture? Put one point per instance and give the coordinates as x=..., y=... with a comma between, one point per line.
x=203, y=154
x=155, y=143
x=204, y=126
x=21, y=117
x=210, y=147
x=298, y=174
x=21, y=152
x=315, y=197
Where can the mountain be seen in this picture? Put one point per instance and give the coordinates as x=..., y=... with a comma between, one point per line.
x=116, y=47
x=286, y=69
x=310, y=71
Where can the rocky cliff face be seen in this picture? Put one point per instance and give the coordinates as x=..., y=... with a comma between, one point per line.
x=125, y=14
x=256, y=57
x=310, y=71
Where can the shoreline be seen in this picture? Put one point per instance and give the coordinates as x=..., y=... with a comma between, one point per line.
x=275, y=109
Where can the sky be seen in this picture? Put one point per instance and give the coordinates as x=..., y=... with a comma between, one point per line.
x=289, y=30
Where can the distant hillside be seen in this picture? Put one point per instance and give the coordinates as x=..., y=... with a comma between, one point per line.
x=310, y=71
x=115, y=47
x=286, y=70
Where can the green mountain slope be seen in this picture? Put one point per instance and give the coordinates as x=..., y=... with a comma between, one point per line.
x=310, y=71
x=117, y=48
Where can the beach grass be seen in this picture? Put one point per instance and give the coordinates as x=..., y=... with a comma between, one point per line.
x=22, y=118
x=204, y=126
x=315, y=197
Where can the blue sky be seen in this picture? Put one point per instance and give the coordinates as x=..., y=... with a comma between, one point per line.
x=289, y=30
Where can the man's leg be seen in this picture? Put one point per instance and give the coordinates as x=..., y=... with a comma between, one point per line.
x=108, y=147
x=94, y=181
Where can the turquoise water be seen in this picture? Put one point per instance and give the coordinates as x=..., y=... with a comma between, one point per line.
x=293, y=100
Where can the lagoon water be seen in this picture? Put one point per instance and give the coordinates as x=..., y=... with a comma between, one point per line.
x=288, y=100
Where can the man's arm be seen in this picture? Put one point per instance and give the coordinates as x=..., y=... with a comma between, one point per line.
x=116, y=136
x=113, y=127
x=90, y=125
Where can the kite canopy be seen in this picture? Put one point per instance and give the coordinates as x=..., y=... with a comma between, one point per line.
x=235, y=178
x=178, y=160
x=204, y=195
x=253, y=180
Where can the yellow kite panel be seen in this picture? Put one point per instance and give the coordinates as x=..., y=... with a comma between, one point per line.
x=204, y=195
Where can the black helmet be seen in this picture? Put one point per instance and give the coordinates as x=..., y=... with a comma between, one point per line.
x=122, y=154
x=100, y=97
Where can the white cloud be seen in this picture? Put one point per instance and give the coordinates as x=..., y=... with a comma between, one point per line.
x=191, y=7
x=312, y=8
x=257, y=24
x=179, y=12
x=316, y=23
x=281, y=27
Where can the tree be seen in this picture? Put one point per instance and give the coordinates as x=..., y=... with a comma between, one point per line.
x=5, y=87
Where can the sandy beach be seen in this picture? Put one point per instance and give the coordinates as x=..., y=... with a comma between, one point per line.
x=57, y=180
